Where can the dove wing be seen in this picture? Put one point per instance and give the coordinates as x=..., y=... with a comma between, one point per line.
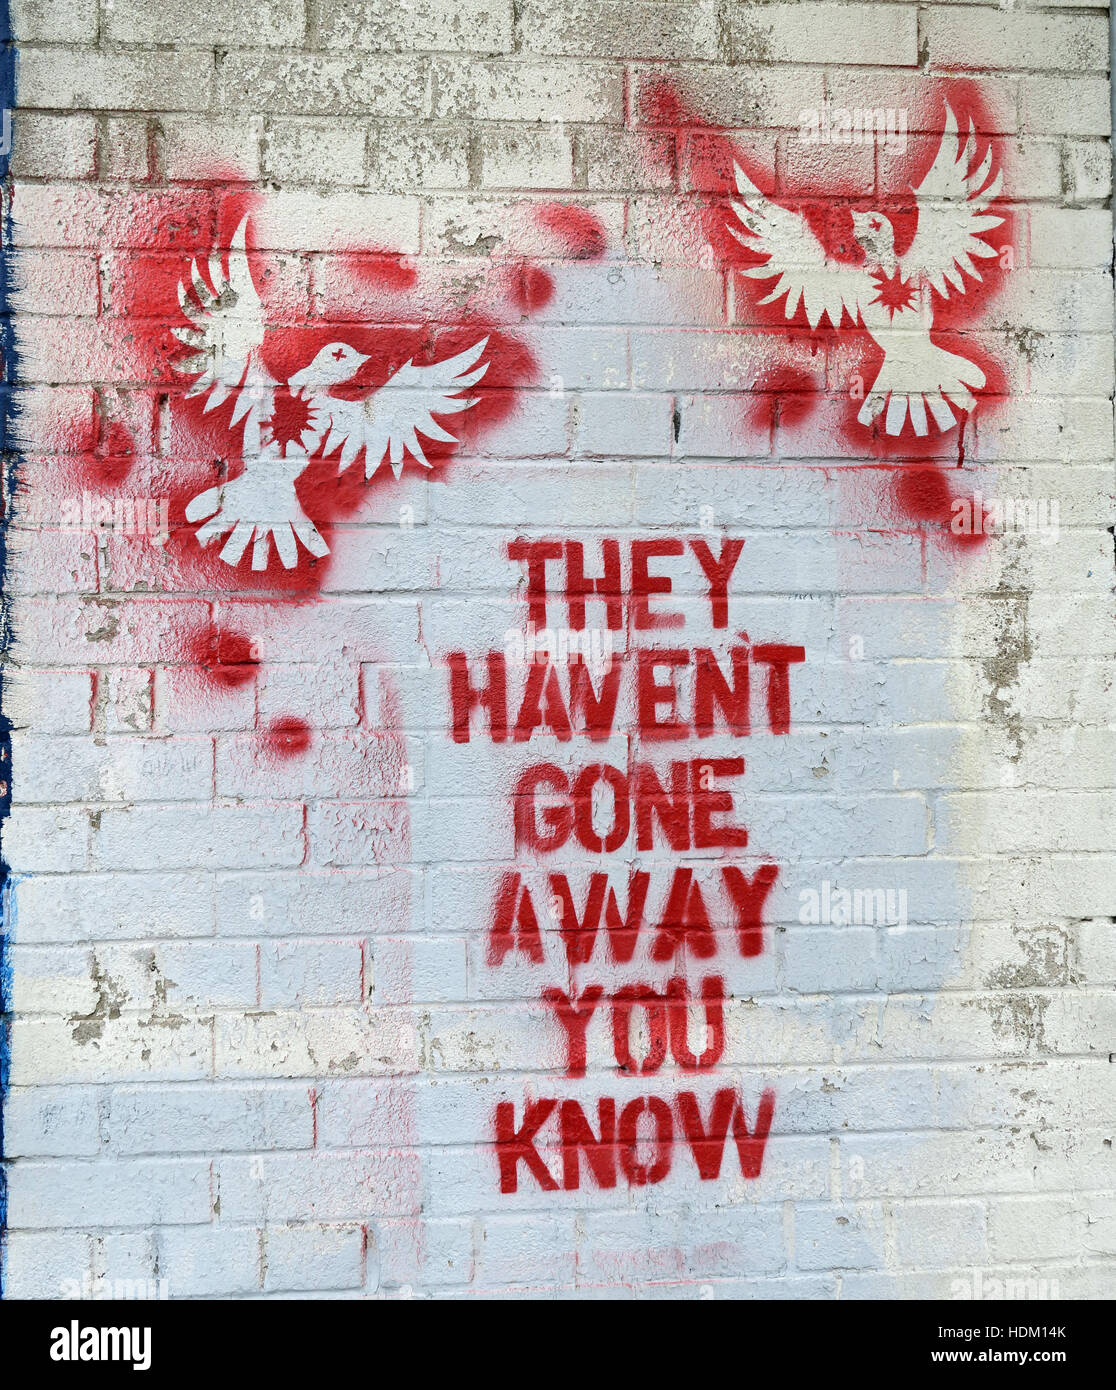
x=225, y=329
x=953, y=216
x=392, y=418
x=824, y=287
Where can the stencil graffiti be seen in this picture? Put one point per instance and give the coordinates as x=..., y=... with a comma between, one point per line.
x=890, y=295
x=284, y=426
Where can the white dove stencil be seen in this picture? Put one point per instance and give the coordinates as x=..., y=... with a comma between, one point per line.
x=889, y=296
x=226, y=330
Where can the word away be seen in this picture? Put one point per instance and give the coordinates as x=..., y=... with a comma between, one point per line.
x=682, y=922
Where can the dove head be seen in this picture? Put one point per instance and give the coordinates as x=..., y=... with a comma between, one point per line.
x=875, y=235
x=335, y=363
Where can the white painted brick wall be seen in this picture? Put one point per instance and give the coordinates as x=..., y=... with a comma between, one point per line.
x=256, y=1039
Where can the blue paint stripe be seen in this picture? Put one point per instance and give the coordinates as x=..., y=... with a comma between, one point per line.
x=8, y=463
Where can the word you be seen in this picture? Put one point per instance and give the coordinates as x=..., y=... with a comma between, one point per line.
x=667, y=1015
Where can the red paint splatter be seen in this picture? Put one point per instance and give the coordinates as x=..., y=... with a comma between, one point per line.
x=893, y=292
x=228, y=658
x=118, y=439
x=925, y=494
x=787, y=392
x=106, y=473
x=287, y=736
x=389, y=272
x=532, y=287
x=580, y=231
x=109, y=455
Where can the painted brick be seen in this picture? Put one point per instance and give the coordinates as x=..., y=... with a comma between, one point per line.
x=146, y=1120
x=526, y=159
x=838, y=1237
x=610, y=30
x=212, y=1263
x=292, y=83
x=39, y=1264
x=474, y=26
x=296, y=973
x=56, y=1123
x=863, y=34
x=58, y=1194
x=53, y=23
x=526, y=92
x=304, y=150
x=54, y=147
x=1077, y=43
x=312, y=1257
x=1035, y=1230
x=122, y=81
x=207, y=24
x=195, y=149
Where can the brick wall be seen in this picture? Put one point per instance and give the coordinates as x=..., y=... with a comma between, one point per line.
x=293, y=1007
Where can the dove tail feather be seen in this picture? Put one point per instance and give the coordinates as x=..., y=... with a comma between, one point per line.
x=943, y=387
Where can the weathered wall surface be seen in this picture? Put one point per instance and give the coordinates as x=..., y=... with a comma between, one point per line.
x=360, y=941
